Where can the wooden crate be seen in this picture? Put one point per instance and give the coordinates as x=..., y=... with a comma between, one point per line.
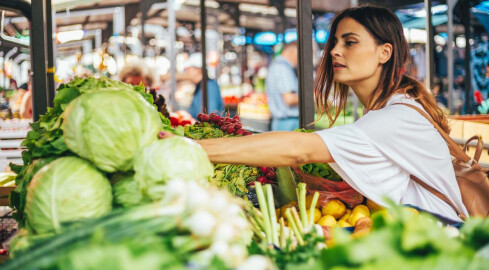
x=4, y=193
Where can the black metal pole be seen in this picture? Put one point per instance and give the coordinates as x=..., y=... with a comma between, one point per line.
x=304, y=38
x=38, y=58
x=50, y=40
x=203, y=26
x=468, y=73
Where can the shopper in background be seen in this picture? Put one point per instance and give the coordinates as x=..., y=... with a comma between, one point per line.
x=378, y=154
x=136, y=72
x=193, y=70
x=282, y=86
x=25, y=111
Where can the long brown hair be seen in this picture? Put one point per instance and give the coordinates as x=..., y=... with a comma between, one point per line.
x=385, y=27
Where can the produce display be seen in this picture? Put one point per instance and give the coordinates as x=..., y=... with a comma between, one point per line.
x=99, y=194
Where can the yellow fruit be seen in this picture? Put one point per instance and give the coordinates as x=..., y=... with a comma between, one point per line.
x=309, y=201
x=346, y=216
x=317, y=215
x=284, y=208
x=343, y=224
x=412, y=210
x=361, y=209
x=373, y=207
x=358, y=212
x=335, y=208
x=327, y=220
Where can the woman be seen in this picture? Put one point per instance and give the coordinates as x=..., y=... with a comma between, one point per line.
x=377, y=154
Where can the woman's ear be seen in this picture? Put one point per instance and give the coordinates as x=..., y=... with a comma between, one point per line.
x=385, y=52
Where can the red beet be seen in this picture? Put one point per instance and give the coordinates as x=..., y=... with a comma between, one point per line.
x=264, y=169
x=236, y=117
x=239, y=131
x=270, y=175
x=224, y=127
x=220, y=123
x=247, y=133
x=205, y=118
x=238, y=126
x=230, y=130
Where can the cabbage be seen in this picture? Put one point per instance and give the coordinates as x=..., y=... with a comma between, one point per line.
x=68, y=189
x=110, y=127
x=127, y=192
x=173, y=158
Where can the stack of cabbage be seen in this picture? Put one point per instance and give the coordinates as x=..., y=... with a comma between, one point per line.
x=97, y=148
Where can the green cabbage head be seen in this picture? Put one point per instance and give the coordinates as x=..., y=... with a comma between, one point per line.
x=110, y=127
x=68, y=189
x=127, y=192
x=173, y=158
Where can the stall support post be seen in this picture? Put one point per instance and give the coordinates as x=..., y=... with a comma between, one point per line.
x=172, y=54
x=451, y=4
x=38, y=46
x=468, y=74
x=429, y=45
x=304, y=39
x=51, y=52
x=203, y=26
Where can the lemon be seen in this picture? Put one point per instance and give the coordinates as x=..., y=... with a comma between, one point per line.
x=358, y=212
x=335, y=208
x=411, y=210
x=284, y=208
x=317, y=215
x=346, y=216
x=373, y=207
x=343, y=224
x=309, y=201
x=327, y=220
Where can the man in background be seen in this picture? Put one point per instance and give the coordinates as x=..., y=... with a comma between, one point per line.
x=193, y=70
x=282, y=89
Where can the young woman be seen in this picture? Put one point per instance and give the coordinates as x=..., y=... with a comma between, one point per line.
x=378, y=153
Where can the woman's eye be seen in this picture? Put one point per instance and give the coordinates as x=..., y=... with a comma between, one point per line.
x=349, y=43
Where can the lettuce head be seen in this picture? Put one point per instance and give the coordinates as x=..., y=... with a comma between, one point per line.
x=110, y=127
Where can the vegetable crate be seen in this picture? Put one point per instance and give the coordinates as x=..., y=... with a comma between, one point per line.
x=8, y=225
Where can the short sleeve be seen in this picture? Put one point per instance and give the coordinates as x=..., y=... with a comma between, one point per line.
x=284, y=78
x=362, y=166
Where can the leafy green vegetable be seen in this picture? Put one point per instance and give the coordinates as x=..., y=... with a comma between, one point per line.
x=234, y=178
x=110, y=127
x=127, y=191
x=173, y=158
x=68, y=189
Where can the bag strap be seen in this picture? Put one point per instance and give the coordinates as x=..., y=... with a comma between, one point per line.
x=454, y=151
x=478, y=149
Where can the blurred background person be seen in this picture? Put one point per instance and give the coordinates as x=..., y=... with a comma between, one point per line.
x=136, y=72
x=193, y=70
x=282, y=86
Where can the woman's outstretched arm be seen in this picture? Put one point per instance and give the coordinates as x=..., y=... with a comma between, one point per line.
x=273, y=149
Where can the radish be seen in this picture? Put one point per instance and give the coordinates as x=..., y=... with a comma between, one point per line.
x=238, y=126
x=230, y=130
x=239, y=131
x=236, y=117
x=270, y=175
x=199, y=116
x=220, y=122
x=247, y=133
x=205, y=118
x=261, y=179
x=264, y=169
x=214, y=118
x=224, y=127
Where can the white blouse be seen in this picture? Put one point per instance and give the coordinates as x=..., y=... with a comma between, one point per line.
x=377, y=154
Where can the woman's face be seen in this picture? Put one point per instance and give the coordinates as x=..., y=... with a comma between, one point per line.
x=356, y=56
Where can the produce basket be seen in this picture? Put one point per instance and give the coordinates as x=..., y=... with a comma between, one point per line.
x=329, y=190
x=8, y=225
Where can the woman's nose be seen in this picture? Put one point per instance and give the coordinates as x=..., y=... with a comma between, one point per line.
x=335, y=51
